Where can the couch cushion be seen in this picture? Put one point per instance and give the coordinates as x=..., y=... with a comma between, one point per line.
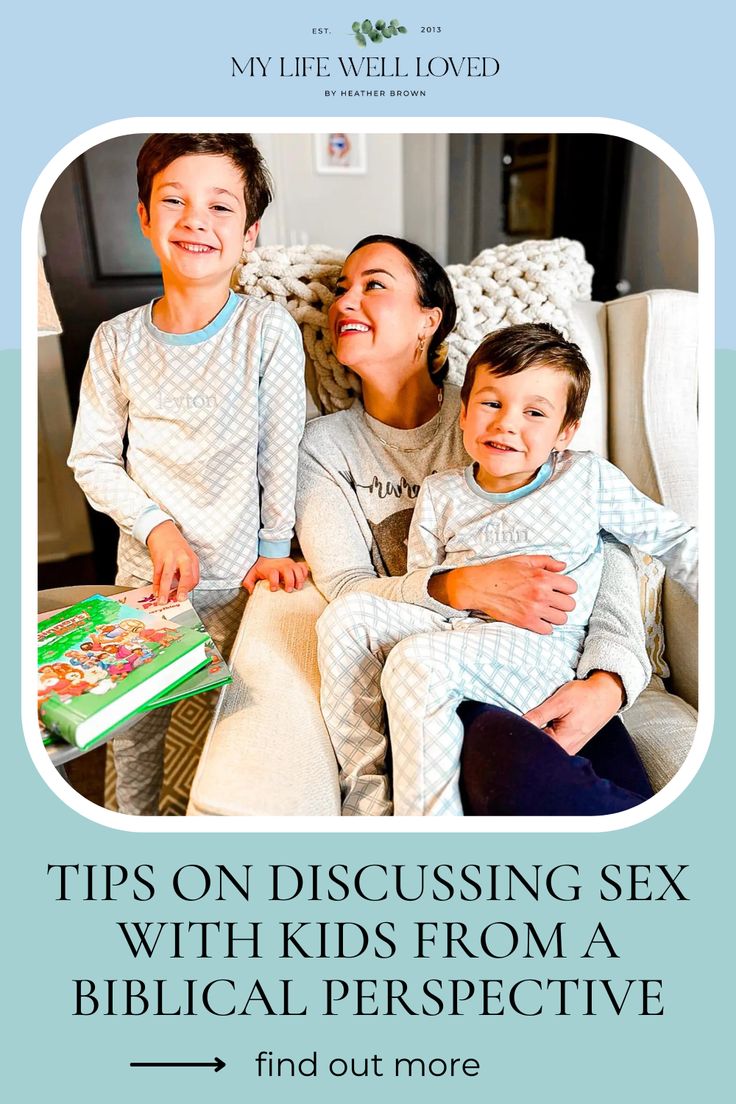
x=662, y=727
x=267, y=752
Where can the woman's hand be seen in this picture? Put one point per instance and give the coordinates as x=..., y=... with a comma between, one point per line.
x=579, y=709
x=527, y=591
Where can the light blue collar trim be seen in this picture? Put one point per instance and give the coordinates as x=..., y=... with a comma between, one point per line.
x=218, y=323
x=509, y=496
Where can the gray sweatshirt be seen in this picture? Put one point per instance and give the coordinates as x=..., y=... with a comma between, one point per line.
x=358, y=483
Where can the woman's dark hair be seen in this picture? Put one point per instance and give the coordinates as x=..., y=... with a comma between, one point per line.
x=159, y=150
x=433, y=290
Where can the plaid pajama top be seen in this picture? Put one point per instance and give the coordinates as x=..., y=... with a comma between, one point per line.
x=574, y=498
x=213, y=422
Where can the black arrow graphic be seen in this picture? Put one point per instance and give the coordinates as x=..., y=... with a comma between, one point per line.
x=217, y=1065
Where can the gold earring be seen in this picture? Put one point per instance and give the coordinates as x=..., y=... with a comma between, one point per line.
x=420, y=347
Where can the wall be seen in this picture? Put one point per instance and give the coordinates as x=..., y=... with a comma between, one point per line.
x=426, y=191
x=331, y=209
x=660, y=240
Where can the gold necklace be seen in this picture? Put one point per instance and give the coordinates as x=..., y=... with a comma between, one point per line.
x=417, y=448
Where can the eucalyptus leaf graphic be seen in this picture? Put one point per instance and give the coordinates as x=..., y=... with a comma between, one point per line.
x=381, y=32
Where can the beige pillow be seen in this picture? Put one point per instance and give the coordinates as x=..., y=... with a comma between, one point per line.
x=650, y=574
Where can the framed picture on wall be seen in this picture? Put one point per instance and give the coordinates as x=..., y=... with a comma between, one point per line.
x=340, y=153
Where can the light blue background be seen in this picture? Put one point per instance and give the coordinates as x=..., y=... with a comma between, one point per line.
x=667, y=70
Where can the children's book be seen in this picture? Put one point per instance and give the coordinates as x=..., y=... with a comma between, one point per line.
x=214, y=675
x=100, y=661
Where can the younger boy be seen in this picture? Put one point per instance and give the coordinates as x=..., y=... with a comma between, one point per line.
x=191, y=412
x=522, y=400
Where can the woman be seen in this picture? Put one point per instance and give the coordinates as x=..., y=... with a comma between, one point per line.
x=360, y=472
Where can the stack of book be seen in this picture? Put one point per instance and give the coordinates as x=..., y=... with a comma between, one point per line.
x=103, y=660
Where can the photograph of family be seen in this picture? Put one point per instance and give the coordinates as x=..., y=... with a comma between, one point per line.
x=413, y=448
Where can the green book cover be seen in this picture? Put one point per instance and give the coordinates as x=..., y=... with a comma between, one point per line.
x=99, y=662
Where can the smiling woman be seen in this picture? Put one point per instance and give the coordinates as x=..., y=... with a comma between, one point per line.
x=386, y=317
x=422, y=185
x=362, y=469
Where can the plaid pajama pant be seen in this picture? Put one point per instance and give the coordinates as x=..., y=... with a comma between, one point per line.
x=390, y=665
x=138, y=751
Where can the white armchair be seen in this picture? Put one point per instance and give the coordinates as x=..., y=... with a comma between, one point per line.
x=267, y=752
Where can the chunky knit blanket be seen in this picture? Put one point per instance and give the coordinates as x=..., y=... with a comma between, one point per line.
x=532, y=281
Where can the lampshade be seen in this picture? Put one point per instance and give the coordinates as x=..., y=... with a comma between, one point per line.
x=48, y=319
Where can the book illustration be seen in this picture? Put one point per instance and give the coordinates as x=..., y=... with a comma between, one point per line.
x=100, y=661
x=214, y=674
x=181, y=613
x=104, y=655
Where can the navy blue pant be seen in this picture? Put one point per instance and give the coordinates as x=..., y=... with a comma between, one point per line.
x=509, y=767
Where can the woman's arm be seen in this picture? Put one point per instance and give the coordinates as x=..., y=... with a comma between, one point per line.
x=335, y=537
x=614, y=667
x=529, y=592
x=526, y=591
x=615, y=640
x=579, y=709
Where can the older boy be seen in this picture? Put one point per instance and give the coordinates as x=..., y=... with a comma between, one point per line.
x=208, y=387
x=522, y=400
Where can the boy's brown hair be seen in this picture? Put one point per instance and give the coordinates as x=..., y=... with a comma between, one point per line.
x=532, y=345
x=159, y=150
